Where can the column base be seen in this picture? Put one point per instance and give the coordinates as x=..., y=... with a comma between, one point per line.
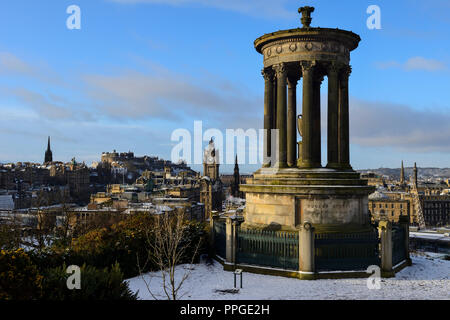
x=308, y=165
x=280, y=165
x=334, y=165
x=345, y=166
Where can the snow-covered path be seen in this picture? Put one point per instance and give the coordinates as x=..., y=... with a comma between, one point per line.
x=427, y=278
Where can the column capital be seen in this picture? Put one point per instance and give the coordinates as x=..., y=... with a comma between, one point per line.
x=345, y=71
x=280, y=70
x=267, y=73
x=334, y=67
x=307, y=65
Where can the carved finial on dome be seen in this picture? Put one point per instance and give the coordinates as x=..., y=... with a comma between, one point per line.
x=306, y=15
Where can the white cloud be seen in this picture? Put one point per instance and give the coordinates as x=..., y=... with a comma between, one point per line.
x=166, y=95
x=11, y=63
x=415, y=63
x=420, y=63
x=383, y=124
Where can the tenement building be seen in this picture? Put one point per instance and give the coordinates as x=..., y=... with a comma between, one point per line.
x=436, y=209
x=382, y=207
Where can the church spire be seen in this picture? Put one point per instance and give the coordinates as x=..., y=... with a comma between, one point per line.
x=236, y=181
x=48, y=153
x=402, y=175
x=415, y=175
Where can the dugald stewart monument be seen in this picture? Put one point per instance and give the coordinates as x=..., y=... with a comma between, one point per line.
x=303, y=219
x=292, y=187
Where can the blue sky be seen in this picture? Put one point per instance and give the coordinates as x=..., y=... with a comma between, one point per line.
x=139, y=69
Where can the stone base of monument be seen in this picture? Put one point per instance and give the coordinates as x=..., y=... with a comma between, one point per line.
x=284, y=199
x=318, y=217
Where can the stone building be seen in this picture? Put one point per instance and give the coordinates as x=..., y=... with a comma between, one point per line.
x=75, y=175
x=373, y=179
x=382, y=206
x=436, y=209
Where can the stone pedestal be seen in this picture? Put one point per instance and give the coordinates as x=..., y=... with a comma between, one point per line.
x=306, y=251
x=328, y=199
x=385, y=230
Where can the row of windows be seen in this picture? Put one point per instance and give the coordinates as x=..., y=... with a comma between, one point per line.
x=386, y=205
x=436, y=204
x=390, y=213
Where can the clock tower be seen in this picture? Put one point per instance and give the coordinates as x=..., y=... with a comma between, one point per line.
x=211, y=188
x=211, y=161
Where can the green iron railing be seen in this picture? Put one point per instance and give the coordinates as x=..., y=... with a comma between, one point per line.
x=267, y=248
x=346, y=251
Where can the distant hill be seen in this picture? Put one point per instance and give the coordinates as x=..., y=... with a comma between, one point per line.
x=422, y=172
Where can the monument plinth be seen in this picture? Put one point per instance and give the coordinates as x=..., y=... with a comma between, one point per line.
x=292, y=187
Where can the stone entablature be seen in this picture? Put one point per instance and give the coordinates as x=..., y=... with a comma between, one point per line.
x=295, y=45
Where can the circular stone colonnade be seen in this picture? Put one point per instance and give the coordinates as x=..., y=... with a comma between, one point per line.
x=292, y=187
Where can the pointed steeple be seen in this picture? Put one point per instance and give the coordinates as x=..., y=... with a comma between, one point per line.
x=48, y=152
x=415, y=175
x=237, y=180
x=402, y=175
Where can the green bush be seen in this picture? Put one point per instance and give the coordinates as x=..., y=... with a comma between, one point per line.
x=19, y=277
x=126, y=242
x=96, y=284
x=123, y=242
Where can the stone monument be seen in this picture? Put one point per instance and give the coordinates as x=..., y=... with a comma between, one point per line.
x=293, y=187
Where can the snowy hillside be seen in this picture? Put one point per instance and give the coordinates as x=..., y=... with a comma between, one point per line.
x=427, y=278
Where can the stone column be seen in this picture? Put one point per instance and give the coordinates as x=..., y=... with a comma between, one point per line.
x=404, y=223
x=333, y=110
x=344, y=136
x=274, y=110
x=306, y=252
x=281, y=74
x=385, y=229
x=292, y=122
x=268, y=114
x=230, y=240
x=316, y=127
x=307, y=114
x=212, y=235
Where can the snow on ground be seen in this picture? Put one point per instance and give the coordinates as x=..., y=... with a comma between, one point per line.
x=427, y=278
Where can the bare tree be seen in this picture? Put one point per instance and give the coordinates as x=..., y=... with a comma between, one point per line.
x=168, y=246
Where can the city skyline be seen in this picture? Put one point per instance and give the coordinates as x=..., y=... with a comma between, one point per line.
x=126, y=85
